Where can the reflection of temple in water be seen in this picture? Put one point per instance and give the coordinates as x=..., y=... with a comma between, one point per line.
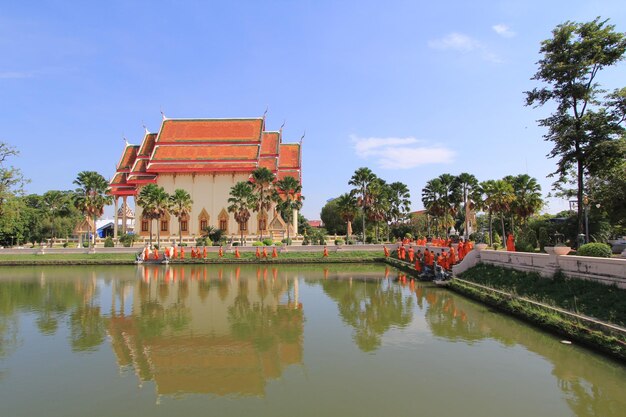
x=227, y=333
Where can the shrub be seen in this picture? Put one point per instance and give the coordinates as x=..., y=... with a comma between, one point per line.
x=339, y=241
x=235, y=243
x=524, y=247
x=268, y=242
x=350, y=242
x=203, y=241
x=108, y=242
x=278, y=244
x=305, y=241
x=288, y=241
x=408, y=236
x=257, y=243
x=598, y=250
x=128, y=239
x=85, y=244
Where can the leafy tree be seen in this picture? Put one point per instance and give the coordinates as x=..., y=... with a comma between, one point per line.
x=332, y=219
x=400, y=202
x=608, y=191
x=347, y=209
x=527, y=196
x=380, y=204
x=466, y=183
x=91, y=196
x=262, y=180
x=180, y=206
x=498, y=199
x=242, y=199
x=11, y=179
x=441, y=198
x=584, y=126
x=362, y=180
x=154, y=202
x=289, y=197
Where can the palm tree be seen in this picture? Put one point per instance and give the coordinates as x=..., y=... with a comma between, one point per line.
x=466, y=183
x=288, y=192
x=362, y=179
x=379, y=205
x=54, y=202
x=180, y=206
x=91, y=196
x=154, y=202
x=527, y=193
x=262, y=180
x=242, y=200
x=441, y=198
x=399, y=203
x=347, y=208
x=498, y=198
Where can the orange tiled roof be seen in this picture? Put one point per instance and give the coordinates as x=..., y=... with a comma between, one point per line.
x=289, y=156
x=269, y=143
x=147, y=145
x=206, y=145
x=215, y=130
x=128, y=157
x=205, y=153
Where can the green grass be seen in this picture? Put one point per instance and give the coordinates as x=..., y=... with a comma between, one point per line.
x=604, y=302
x=126, y=258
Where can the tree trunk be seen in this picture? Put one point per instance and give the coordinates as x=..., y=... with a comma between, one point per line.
x=180, y=232
x=159, y=233
x=150, y=240
x=93, y=236
x=503, y=232
x=466, y=231
x=490, y=230
x=579, y=194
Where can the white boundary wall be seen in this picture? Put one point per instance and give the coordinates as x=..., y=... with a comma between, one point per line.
x=603, y=270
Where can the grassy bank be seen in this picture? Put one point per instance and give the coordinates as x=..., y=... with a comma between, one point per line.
x=510, y=286
x=604, y=302
x=246, y=258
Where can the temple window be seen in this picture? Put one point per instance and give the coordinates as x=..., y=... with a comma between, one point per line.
x=204, y=223
x=184, y=226
x=223, y=224
x=262, y=224
x=145, y=226
x=164, y=225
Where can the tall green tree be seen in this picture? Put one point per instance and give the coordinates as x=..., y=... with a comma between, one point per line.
x=380, y=204
x=527, y=196
x=180, y=206
x=347, y=209
x=11, y=179
x=91, y=196
x=362, y=180
x=441, y=199
x=154, y=202
x=466, y=183
x=262, y=179
x=289, y=197
x=400, y=202
x=242, y=199
x=498, y=199
x=584, y=125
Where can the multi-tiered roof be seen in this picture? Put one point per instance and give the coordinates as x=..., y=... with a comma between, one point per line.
x=201, y=146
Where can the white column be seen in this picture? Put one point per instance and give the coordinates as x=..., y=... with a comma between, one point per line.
x=124, y=220
x=294, y=220
x=115, y=217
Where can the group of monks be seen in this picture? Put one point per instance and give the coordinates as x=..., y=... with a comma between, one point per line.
x=445, y=259
x=261, y=254
x=176, y=252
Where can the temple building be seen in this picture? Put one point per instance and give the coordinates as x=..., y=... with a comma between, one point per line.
x=205, y=157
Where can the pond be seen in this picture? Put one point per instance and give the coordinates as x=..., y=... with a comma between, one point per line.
x=278, y=341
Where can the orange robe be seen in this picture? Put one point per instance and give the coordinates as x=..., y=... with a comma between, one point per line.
x=182, y=252
x=236, y=252
x=258, y=252
x=325, y=254
x=204, y=252
x=386, y=251
x=155, y=254
x=411, y=254
x=274, y=252
x=264, y=252
x=510, y=243
x=220, y=252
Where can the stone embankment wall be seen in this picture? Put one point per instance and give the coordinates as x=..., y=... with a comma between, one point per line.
x=605, y=270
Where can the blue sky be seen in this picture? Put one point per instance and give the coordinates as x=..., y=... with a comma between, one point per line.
x=411, y=89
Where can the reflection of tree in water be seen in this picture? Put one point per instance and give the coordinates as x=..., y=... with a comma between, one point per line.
x=263, y=325
x=592, y=386
x=87, y=328
x=446, y=319
x=372, y=308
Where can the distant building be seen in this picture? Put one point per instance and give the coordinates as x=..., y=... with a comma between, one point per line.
x=206, y=157
x=316, y=223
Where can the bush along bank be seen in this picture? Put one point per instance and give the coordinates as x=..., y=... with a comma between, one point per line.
x=548, y=304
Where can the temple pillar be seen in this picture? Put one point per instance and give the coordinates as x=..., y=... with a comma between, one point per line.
x=124, y=215
x=115, y=217
x=294, y=219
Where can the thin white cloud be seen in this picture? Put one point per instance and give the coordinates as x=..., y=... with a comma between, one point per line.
x=503, y=30
x=463, y=43
x=15, y=74
x=401, y=153
x=456, y=42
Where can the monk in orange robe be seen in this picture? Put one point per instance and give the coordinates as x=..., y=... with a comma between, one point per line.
x=510, y=243
x=220, y=252
x=386, y=251
x=174, y=252
x=264, y=252
x=204, y=252
x=418, y=265
x=411, y=254
x=146, y=254
x=236, y=252
x=274, y=252
x=182, y=252
x=325, y=254
x=452, y=255
x=258, y=252
x=155, y=254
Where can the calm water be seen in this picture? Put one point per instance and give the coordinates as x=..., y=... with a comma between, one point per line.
x=284, y=341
